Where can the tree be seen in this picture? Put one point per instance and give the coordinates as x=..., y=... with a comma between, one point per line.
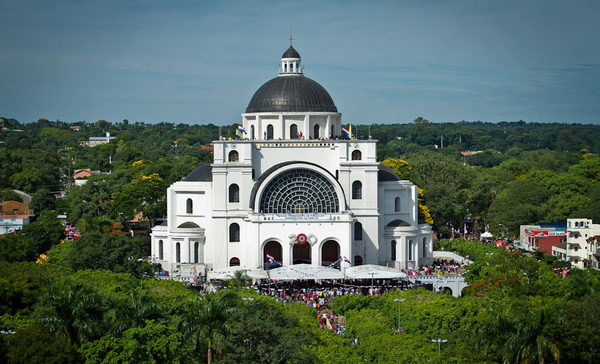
x=205, y=320
x=134, y=313
x=73, y=311
x=17, y=248
x=42, y=200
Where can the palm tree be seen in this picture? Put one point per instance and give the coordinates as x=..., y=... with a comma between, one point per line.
x=205, y=318
x=73, y=311
x=240, y=278
x=134, y=313
x=521, y=337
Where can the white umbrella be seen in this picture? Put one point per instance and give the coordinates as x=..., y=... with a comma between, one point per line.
x=373, y=271
x=487, y=234
x=229, y=272
x=304, y=272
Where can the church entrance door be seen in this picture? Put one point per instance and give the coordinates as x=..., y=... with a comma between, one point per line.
x=301, y=254
x=330, y=252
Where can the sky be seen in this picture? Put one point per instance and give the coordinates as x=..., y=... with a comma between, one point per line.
x=381, y=61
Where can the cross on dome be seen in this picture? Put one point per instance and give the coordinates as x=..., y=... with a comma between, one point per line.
x=290, y=61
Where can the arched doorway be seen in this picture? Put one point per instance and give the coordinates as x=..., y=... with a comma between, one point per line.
x=272, y=248
x=330, y=252
x=301, y=254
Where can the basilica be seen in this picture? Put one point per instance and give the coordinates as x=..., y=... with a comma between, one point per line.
x=295, y=188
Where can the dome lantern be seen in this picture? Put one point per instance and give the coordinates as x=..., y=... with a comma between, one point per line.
x=290, y=62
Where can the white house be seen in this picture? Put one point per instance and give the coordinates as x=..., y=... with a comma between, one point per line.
x=294, y=190
x=583, y=244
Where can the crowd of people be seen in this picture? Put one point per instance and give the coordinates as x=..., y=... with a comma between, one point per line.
x=318, y=294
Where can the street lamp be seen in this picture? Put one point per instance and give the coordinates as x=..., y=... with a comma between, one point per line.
x=372, y=275
x=439, y=341
x=489, y=257
x=526, y=275
x=247, y=299
x=398, y=300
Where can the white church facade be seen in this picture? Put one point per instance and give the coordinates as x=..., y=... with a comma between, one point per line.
x=293, y=190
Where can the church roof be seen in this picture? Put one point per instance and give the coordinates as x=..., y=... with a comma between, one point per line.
x=291, y=53
x=386, y=174
x=291, y=94
x=200, y=174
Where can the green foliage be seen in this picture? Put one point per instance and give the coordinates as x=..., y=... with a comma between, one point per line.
x=153, y=343
x=117, y=253
x=6, y=194
x=33, y=344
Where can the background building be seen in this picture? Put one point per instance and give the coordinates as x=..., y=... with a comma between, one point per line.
x=583, y=243
x=293, y=191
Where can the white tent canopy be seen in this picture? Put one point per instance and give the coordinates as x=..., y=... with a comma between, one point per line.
x=304, y=272
x=487, y=234
x=373, y=271
x=228, y=273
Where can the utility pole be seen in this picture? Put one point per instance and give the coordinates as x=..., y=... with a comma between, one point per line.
x=442, y=142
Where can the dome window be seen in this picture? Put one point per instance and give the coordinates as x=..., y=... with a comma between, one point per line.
x=269, y=131
x=356, y=155
x=189, y=206
x=234, y=156
x=316, y=131
x=294, y=131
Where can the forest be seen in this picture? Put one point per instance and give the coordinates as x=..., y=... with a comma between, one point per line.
x=95, y=300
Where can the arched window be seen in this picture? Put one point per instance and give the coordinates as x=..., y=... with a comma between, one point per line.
x=425, y=248
x=356, y=190
x=196, y=246
x=410, y=250
x=356, y=155
x=397, y=204
x=294, y=131
x=299, y=191
x=234, y=193
x=177, y=253
x=358, y=231
x=332, y=131
x=234, y=233
x=251, y=132
x=234, y=156
x=316, y=131
x=234, y=262
x=160, y=250
x=189, y=206
x=358, y=260
x=269, y=131
x=393, y=249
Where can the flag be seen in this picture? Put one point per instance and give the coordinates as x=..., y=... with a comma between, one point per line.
x=346, y=131
x=271, y=259
x=350, y=130
x=347, y=261
x=241, y=129
x=439, y=273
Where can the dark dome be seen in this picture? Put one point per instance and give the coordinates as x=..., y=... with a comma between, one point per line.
x=386, y=174
x=291, y=53
x=188, y=225
x=291, y=93
x=200, y=174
